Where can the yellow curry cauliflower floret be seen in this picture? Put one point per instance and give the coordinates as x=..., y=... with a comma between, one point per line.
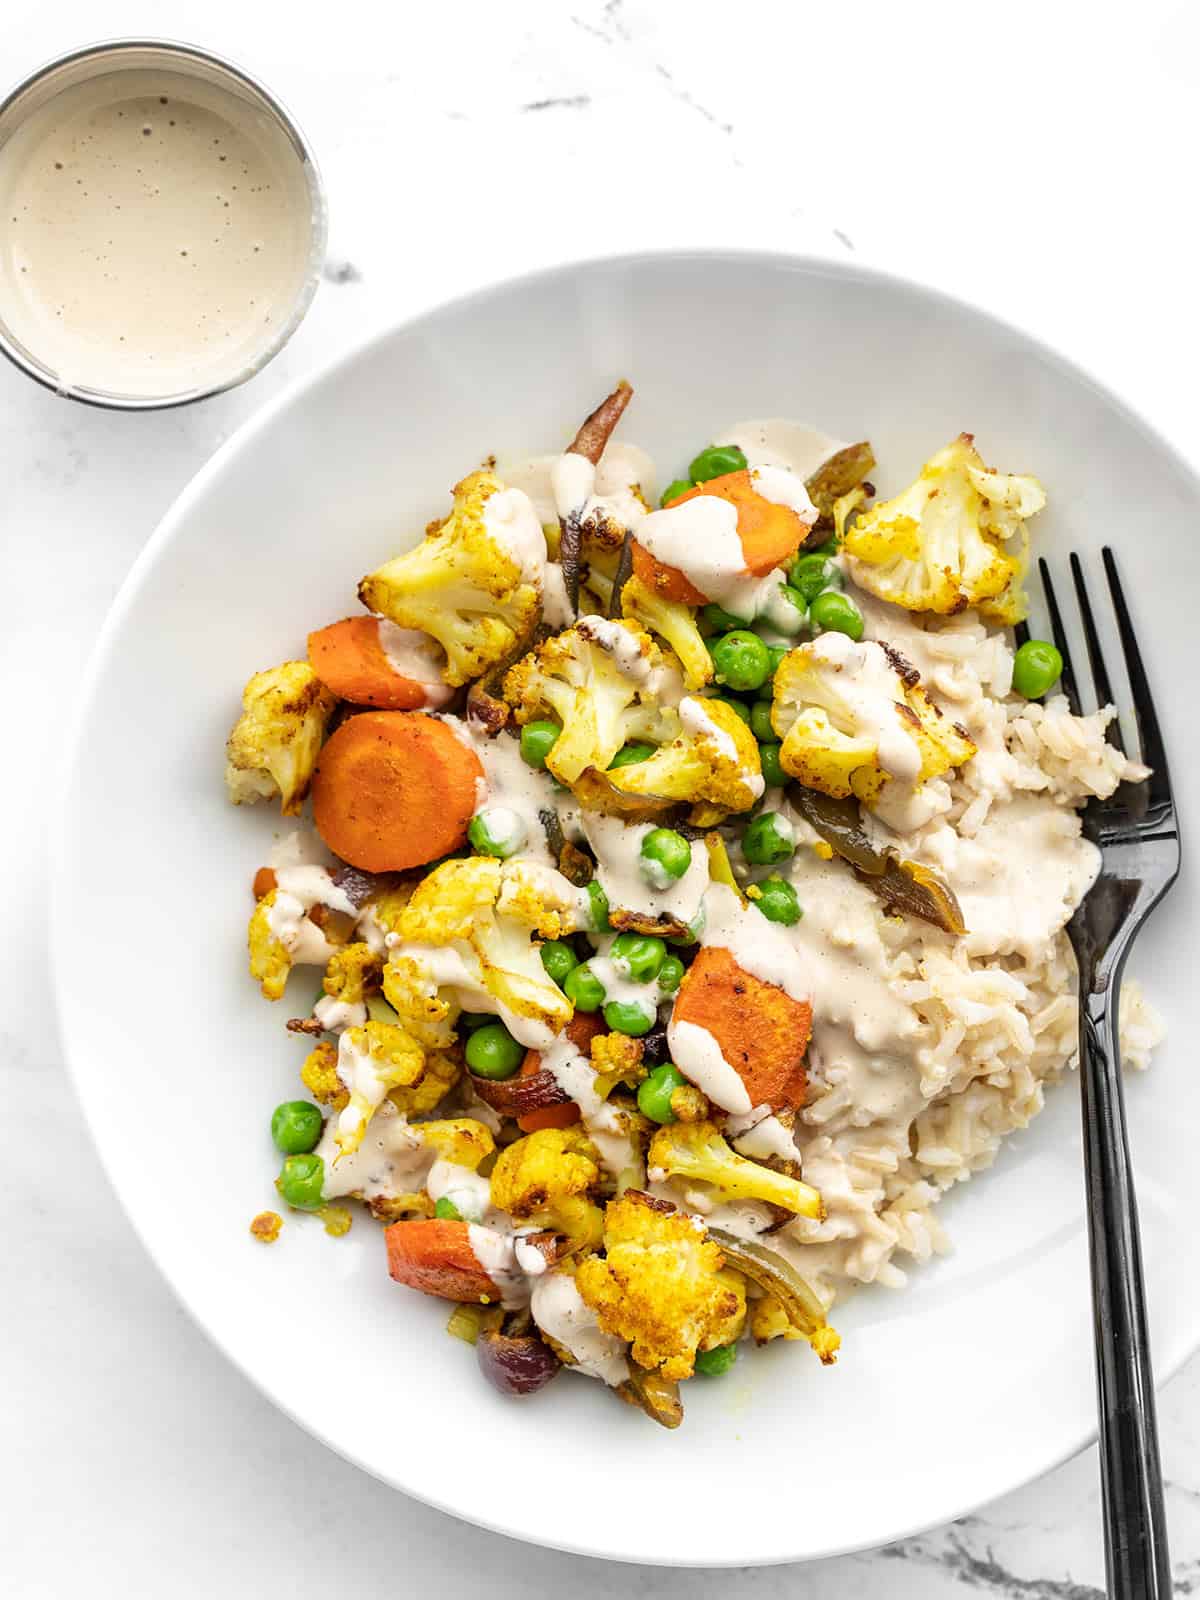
x=462, y=1140
x=853, y=717
x=275, y=742
x=548, y=1179
x=617, y=1062
x=603, y=681
x=713, y=758
x=413, y=995
x=466, y=583
x=697, y=1152
x=671, y=620
x=442, y=1072
x=661, y=1285
x=485, y=911
x=319, y=1075
x=270, y=962
x=351, y=971
x=372, y=1060
x=954, y=538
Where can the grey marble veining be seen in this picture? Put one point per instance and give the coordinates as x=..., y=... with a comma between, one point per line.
x=136, y=1460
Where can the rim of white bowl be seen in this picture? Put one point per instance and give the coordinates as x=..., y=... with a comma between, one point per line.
x=949, y=1510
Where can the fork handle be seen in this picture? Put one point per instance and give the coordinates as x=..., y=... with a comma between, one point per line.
x=1135, y=1533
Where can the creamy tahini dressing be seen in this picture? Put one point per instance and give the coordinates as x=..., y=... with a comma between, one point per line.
x=418, y=657
x=576, y=1077
x=871, y=690
x=496, y=1254
x=560, y=1310
x=698, y=1056
x=784, y=488
x=617, y=848
x=335, y=1015
x=760, y=1134
x=622, y=644
x=391, y=1160
x=761, y=949
x=157, y=233
x=512, y=785
x=508, y=515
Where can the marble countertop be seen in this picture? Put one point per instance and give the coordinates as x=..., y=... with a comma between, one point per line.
x=1013, y=153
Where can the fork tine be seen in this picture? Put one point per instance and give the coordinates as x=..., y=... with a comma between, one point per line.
x=1104, y=694
x=1153, y=751
x=1069, y=685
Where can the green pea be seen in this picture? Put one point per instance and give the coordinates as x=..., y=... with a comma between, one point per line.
x=674, y=490
x=772, y=770
x=716, y=461
x=537, y=741
x=468, y=1021
x=598, y=908
x=558, y=959
x=670, y=976
x=694, y=929
x=769, y=838
x=786, y=612
x=718, y=619
x=301, y=1182
x=655, y=1091
x=629, y=754
x=492, y=1052
x=760, y=721
x=665, y=856
x=498, y=832
x=447, y=1210
x=583, y=988
x=833, y=612
x=716, y=1363
x=777, y=652
x=741, y=659
x=1037, y=667
x=638, y=956
x=630, y=1016
x=296, y=1127
x=812, y=574
x=777, y=901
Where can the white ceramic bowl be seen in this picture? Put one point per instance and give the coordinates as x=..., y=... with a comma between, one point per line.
x=974, y=1379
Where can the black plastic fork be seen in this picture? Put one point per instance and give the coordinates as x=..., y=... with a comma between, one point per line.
x=1138, y=836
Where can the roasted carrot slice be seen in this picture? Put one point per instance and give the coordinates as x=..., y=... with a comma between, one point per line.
x=667, y=581
x=349, y=659
x=769, y=533
x=581, y=1030
x=436, y=1257
x=393, y=790
x=763, y=1033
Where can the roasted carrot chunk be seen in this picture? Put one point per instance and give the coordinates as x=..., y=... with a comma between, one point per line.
x=349, y=659
x=435, y=1256
x=769, y=533
x=393, y=790
x=763, y=1033
x=581, y=1030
